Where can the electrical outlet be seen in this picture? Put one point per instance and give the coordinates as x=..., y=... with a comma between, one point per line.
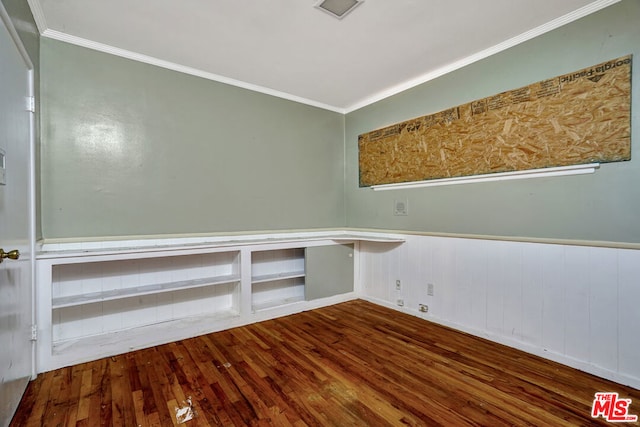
x=430, y=289
x=400, y=302
x=423, y=308
x=398, y=285
x=401, y=207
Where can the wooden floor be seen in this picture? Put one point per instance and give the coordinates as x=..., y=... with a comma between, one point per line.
x=350, y=364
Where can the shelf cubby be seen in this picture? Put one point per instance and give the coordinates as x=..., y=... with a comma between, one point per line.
x=277, y=277
x=104, y=297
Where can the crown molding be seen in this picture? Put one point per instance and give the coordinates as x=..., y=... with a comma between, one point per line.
x=38, y=15
x=528, y=35
x=101, y=47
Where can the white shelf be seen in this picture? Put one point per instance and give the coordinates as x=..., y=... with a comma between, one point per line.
x=276, y=303
x=94, y=297
x=500, y=176
x=140, y=336
x=277, y=276
x=127, y=247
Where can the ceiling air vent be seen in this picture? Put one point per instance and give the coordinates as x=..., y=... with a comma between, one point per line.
x=338, y=8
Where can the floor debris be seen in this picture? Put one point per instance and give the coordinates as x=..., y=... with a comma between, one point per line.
x=185, y=413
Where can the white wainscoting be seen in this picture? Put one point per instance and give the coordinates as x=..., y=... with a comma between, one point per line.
x=578, y=305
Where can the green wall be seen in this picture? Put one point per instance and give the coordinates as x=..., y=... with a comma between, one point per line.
x=133, y=149
x=25, y=25
x=604, y=206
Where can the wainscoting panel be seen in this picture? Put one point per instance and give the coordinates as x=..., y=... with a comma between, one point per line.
x=574, y=304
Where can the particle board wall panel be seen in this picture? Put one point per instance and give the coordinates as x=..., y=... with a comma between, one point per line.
x=577, y=118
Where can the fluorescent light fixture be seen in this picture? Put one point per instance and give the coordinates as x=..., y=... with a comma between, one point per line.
x=338, y=8
x=502, y=176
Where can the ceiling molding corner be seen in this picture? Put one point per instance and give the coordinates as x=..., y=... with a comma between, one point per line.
x=514, y=41
x=38, y=15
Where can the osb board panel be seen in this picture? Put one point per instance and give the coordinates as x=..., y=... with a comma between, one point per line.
x=577, y=118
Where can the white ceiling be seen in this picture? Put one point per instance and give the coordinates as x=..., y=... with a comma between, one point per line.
x=291, y=49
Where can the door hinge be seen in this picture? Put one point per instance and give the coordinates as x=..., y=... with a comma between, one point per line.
x=34, y=332
x=31, y=104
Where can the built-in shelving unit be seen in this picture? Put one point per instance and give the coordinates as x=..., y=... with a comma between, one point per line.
x=95, y=300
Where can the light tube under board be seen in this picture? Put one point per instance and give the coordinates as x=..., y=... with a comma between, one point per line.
x=502, y=176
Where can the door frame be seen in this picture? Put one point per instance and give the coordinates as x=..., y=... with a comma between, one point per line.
x=15, y=37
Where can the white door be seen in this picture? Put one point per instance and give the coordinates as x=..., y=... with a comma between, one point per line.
x=16, y=299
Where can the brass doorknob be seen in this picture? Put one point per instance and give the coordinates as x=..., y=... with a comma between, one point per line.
x=14, y=254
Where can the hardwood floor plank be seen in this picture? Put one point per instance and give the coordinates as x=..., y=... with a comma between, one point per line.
x=106, y=410
x=148, y=402
x=354, y=363
x=366, y=372
x=171, y=407
x=58, y=406
x=84, y=402
x=203, y=372
x=154, y=420
x=36, y=398
x=123, y=410
x=156, y=383
x=138, y=404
